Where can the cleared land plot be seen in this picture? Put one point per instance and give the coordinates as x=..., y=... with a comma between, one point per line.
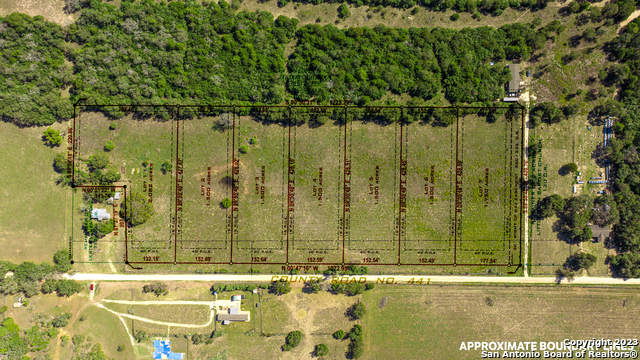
x=261, y=197
x=315, y=190
x=137, y=141
x=206, y=180
x=440, y=318
x=111, y=247
x=180, y=314
x=33, y=220
x=548, y=252
x=489, y=222
x=317, y=316
x=303, y=187
x=374, y=156
x=430, y=203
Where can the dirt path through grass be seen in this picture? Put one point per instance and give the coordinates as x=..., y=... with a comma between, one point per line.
x=121, y=315
x=633, y=15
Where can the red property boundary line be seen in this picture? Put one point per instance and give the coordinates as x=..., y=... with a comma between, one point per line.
x=126, y=228
x=130, y=107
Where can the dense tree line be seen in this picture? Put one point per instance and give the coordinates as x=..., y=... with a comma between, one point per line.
x=236, y=287
x=494, y=7
x=159, y=53
x=622, y=152
x=32, y=70
x=362, y=64
x=16, y=343
x=28, y=277
x=177, y=53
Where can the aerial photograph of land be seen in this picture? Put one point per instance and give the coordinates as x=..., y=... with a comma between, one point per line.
x=319, y=179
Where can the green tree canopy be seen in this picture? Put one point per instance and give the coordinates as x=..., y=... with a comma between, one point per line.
x=280, y=287
x=62, y=261
x=52, y=137
x=136, y=210
x=356, y=311
x=581, y=260
x=626, y=265
x=34, y=72
x=292, y=340
x=321, y=350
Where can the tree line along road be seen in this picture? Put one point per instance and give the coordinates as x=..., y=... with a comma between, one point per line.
x=386, y=279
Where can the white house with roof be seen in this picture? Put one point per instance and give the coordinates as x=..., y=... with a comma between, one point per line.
x=100, y=214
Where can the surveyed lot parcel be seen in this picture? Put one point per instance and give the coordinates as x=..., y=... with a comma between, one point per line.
x=282, y=186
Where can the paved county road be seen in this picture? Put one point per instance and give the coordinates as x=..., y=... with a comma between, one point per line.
x=397, y=279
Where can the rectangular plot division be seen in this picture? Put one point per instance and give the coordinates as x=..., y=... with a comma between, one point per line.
x=205, y=155
x=489, y=222
x=315, y=178
x=98, y=247
x=301, y=185
x=140, y=147
x=372, y=152
x=260, y=150
x=429, y=151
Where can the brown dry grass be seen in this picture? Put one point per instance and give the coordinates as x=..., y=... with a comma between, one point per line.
x=52, y=10
x=430, y=322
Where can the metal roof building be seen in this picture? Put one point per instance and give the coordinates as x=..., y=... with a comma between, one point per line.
x=100, y=214
x=513, y=87
x=233, y=317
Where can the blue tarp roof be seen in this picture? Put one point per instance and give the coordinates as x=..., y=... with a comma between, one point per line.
x=163, y=351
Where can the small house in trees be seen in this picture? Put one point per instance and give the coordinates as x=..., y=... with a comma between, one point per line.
x=100, y=214
x=513, y=86
x=600, y=232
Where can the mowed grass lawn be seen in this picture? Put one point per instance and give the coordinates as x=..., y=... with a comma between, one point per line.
x=430, y=322
x=180, y=314
x=32, y=220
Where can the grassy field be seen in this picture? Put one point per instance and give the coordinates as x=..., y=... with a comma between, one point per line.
x=489, y=224
x=366, y=153
x=374, y=153
x=261, y=229
x=441, y=317
x=402, y=321
x=565, y=142
x=431, y=156
x=52, y=10
x=177, y=291
x=262, y=194
x=327, y=13
x=317, y=152
x=33, y=222
x=181, y=314
x=206, y=154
